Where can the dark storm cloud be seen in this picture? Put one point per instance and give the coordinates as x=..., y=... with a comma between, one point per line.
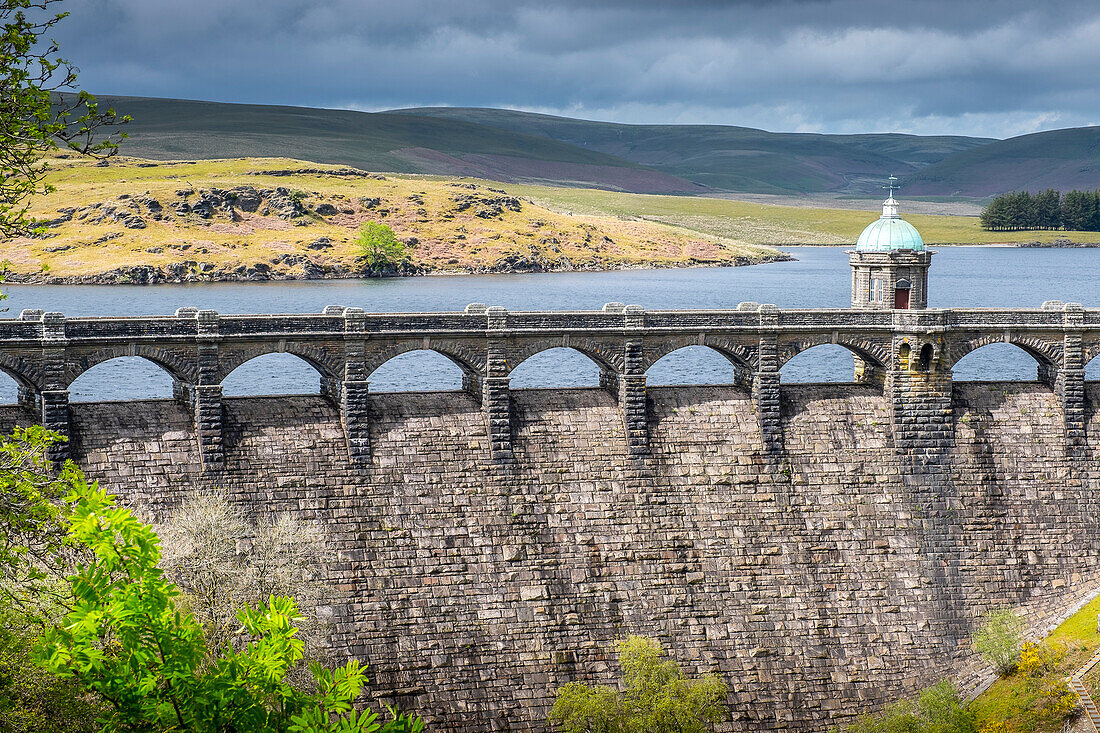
x=988, y=68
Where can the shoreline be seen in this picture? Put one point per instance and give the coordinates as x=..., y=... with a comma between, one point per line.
x=143, y=275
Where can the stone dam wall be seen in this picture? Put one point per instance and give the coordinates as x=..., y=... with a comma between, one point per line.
x=812, y=580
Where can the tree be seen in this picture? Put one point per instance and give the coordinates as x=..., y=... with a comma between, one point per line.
x=1078, y=210
x=127, y=641
x=33, y=563
x=658, y=697
x=37, y=116
x=380, y=249
x=32, y=526
x=221, y=562
x=995, y=215
x=1048, y=206
x=998, y=639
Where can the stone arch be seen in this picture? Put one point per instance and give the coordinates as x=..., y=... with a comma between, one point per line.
x=380, y=382
x=1013, y=366
x=123, y=377
x=740, y=355
x=24, y=374
x=292, y=374
x=229, y=359
x=608, y=356
x=586, y=362
x=1091, y=351
x=874, y=354
x=178, y=367
x=1046, y=354
x=471, y=363
x=739, y=370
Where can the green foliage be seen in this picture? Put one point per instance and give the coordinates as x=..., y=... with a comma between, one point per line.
x=32, y=526
x=939, y=709
x=32, y=701
x=127, y=641
x=658, y=697
x=1075, y=211
x=380, y=250
x=998, y=639
x=35, y=117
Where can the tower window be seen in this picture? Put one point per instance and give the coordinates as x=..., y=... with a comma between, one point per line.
x=876, y=290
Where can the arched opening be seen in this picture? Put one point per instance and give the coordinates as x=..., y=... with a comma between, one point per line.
x=823, y=363
x=692, y=365
x=927, y=352
x=555, y=368
x=416, y=371
x=122, y=378
x=1092, y=370
x=999, y=362
x=272, y=374
x=904, y=353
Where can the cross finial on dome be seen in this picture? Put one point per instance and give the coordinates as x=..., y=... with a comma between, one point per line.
x=892, y=185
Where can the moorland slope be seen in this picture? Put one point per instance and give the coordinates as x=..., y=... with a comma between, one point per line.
x=134, y=220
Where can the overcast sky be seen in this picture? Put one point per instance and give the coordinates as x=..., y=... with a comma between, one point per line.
x=969, y=67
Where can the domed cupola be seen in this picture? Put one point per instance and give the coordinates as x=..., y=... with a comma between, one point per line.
x=890, y=263
x=890, y=231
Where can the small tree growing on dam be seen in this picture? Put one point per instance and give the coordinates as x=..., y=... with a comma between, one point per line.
x=998, y=639
x=222, y=562
x=657, y=697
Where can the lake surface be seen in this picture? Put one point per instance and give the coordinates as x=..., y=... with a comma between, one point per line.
x=960, y=276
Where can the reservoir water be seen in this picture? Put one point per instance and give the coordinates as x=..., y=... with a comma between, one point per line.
x=820, y=278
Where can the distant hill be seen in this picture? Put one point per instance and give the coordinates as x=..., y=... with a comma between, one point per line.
x=166, y=129
x=731, y=158
x=1061, y=159
x=523, y=147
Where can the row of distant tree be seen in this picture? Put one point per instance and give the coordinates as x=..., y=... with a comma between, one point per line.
x=1074, y=211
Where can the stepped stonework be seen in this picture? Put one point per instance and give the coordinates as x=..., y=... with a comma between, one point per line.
x=825, y=548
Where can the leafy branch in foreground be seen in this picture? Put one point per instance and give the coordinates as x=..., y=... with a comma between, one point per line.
x=39, y=111
x=127, y=641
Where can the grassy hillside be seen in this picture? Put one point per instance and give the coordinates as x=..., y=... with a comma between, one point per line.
x=734, y=158
x=771, y=225
x=172, y=129
x=140, y=221
x=1061, y=159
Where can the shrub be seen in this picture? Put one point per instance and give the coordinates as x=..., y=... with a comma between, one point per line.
x=380, y=250
x=938, y=709
x=658, y=697
x=1057, y=701
x=998, y=639
x=221, y=563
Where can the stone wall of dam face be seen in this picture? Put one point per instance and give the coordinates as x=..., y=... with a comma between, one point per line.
x=814, y=580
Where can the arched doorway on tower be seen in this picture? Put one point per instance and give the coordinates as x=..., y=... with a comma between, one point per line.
x=901, y=294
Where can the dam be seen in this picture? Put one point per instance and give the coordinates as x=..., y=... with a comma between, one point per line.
x=825, y=548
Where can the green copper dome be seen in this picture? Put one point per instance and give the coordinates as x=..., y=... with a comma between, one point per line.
x=889, y=232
